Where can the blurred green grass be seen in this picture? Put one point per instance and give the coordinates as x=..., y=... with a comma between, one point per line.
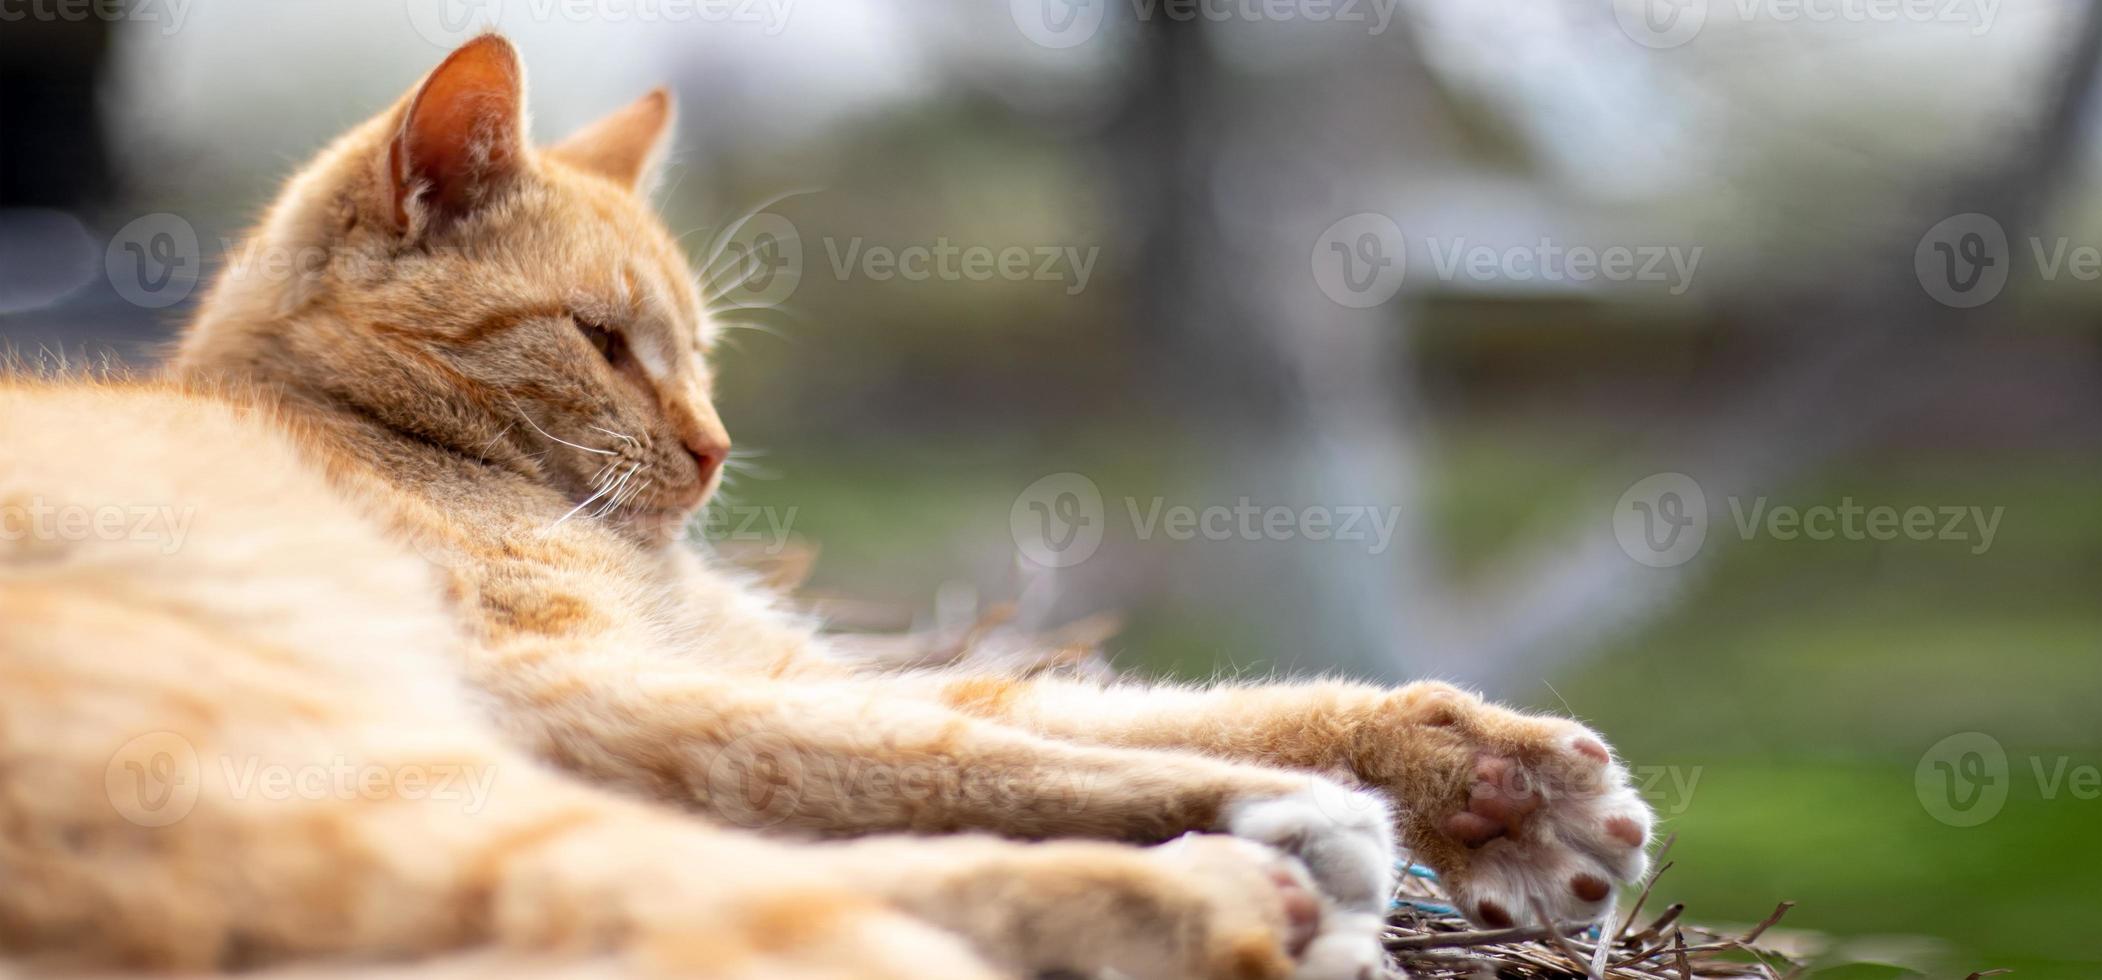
x=1796, y=685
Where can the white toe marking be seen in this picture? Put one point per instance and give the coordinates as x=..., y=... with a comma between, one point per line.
x=1347, y=949
x=1345, y=838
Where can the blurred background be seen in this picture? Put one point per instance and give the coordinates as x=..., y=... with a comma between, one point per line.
x=1725, y=372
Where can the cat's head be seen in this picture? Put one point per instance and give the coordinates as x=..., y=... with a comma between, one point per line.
x=434, y=272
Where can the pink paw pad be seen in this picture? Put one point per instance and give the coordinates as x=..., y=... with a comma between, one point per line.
x=1302, y=910
x=1497, y=804
x=1627, y=831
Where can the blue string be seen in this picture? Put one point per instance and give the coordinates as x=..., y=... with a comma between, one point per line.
x=1415, y=870
x=1419, y=871
x=1420, y=906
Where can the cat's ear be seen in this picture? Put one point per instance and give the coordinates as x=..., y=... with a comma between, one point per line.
x=462, y=135
x=624, y=147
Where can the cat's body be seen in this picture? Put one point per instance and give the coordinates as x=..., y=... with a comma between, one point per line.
x=435, y=491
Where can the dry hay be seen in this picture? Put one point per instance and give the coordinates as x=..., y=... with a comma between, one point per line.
x=1427, y=939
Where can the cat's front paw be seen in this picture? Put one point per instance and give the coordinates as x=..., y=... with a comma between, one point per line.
x=1344, y=837
x=1523, y=816
x=1264, y=903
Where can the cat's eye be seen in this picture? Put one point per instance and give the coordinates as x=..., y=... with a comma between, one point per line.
x=603, y=339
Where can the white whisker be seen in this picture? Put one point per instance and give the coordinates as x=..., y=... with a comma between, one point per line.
x=747, y=468
x=573, y=510
x=506, y=430
x=620, y=489
x=714, y=284
x=715, y=248
x=536, y=428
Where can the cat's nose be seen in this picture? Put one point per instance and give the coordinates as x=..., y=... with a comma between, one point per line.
x=701, y=431
x=708, y=455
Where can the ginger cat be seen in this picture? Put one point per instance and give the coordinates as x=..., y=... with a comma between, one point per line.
x=568, y=744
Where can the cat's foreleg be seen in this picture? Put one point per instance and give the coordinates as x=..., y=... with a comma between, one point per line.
x=856, y=757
